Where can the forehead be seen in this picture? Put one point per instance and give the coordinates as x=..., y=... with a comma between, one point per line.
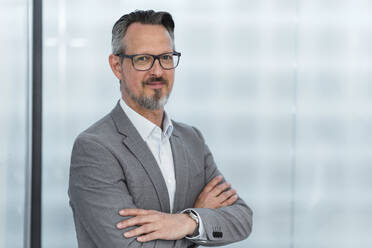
x=147, y=38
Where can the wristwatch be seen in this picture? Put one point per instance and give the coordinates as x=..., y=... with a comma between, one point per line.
x=193, y=216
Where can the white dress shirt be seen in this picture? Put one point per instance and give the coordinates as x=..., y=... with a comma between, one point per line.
x=158, y=142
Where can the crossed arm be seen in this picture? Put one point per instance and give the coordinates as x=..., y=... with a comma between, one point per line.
x=157, y=225
x=97, y=190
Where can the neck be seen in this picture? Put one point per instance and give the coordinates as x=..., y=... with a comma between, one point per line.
x=155, y=116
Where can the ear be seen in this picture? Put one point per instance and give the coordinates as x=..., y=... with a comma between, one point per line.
x=115, y=65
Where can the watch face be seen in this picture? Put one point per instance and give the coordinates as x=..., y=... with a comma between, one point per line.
x=194, y=217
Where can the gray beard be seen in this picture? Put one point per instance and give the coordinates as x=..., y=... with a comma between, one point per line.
x=150, y=103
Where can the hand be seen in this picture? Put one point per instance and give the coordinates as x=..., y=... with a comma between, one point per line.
x=215, y=195
x=156, y=225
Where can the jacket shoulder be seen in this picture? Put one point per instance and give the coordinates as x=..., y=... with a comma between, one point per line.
x=187, y=131
x=100, y=131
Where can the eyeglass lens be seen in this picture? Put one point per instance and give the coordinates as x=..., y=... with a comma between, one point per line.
x=145, y=61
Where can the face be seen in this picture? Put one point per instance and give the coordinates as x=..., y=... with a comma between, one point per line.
x=146, y=89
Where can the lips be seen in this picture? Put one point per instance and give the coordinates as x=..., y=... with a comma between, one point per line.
x=156, y=84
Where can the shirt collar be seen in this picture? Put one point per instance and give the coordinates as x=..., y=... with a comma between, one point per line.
x=144, y=126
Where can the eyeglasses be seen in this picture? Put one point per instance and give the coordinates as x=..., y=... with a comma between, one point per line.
x=144, y=62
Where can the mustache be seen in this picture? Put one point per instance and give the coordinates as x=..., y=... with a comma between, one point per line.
x=155, y=79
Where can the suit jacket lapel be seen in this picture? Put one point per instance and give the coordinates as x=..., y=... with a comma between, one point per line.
x=181, y=171
x=134, y=142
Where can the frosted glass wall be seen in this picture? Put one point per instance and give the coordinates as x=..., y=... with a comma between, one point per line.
x=333, y=192
x=14, y=121
x=281, y=90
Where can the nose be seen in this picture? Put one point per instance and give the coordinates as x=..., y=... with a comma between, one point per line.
x=156, y=69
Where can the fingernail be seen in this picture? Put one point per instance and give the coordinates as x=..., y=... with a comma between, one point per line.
x=122, y=212
x=126, y=235
x=119, y=225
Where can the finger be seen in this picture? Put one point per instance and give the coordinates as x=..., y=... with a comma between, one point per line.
x=230, y=201
x=209, y=187
x=138, y=220
x=220, y=188
x=148, y=237
x=225, y=195
x=139, y=231
x=135, y=212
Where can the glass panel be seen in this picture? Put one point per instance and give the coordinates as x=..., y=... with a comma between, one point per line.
x=238, y=75
x=14, y=123
x=286, y=84
x=333, y=170
x=78, y=89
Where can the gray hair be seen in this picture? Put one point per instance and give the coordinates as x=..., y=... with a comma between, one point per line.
x=144, y=17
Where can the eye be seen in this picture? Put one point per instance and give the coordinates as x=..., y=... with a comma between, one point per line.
x=166, y=57
x=142, y=58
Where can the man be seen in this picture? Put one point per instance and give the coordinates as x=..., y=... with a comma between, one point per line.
x=138, y=178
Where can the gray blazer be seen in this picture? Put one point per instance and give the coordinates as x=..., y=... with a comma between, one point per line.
x=112, y=168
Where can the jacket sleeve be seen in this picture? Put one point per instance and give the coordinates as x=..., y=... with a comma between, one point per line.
x=97, y=191
x=227, y=224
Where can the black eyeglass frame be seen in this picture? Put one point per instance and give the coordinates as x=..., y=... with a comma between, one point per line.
x=156, y=57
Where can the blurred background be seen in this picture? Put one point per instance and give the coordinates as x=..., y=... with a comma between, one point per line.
x=281, y=90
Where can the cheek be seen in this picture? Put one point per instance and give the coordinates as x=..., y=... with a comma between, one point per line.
x=170, y=77
x=134, y=80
